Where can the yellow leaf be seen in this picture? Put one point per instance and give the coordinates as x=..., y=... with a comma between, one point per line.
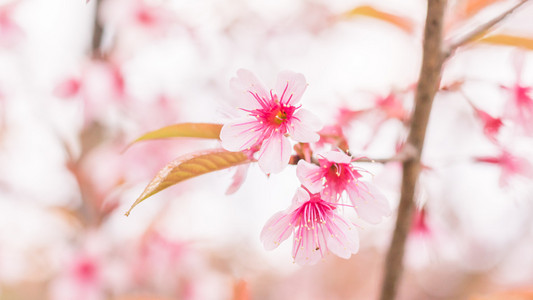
x=467, y=8
x=369, y=11
x=194, y=130
x=190, y=166
x=508, y=40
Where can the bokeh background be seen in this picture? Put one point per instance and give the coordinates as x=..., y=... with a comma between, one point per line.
x=68, y=110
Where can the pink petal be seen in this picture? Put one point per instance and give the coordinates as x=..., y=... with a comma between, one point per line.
x=304, y=127
x=238, y=179
x=291, y=86
x=370, y=204
x=239, y=135
x=337, y=157
x=307, y=251
x=299, y=198
x=310, y=176
x=277, y=229
x=331, y=192
x=275, y=153
x=243, y=84
x=68, y=88
x=343, y=239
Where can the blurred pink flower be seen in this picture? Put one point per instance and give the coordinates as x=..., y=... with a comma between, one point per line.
x=392, y=107
x=491, y=125
x=510, y=166
x=317, y=229
x=152, y=18
x=335, y=175
x=419, y=227
x=519, y=108
x=271, y=118
x=68, y=88
x=101, y=85
x=10, y=31
x=83, y=280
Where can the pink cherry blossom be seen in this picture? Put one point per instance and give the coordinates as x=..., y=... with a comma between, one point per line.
x=10, y=32
x=419, y=227
x=510, y=165
x=519, y=109
x=317, y=229
x=519, y=106
x=335, y=175
x=271, y=118
x=491, y=125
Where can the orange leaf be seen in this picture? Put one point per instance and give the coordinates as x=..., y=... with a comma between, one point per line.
x=369, y=11
x=508, y=40
x=190, y=166
x=508, y=295
x=194, y=130
x=468, y=8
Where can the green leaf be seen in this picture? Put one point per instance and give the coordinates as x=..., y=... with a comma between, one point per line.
x=190, y=166
x=194, y=130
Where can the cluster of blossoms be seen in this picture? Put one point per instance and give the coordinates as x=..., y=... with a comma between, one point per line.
x=314, y=218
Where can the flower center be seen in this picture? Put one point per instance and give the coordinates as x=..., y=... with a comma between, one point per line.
x=335, y=170
x=278, y=117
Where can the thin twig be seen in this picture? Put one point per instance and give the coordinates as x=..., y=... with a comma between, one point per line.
x=481, y=30
x=98, y=31
x=425, y=92
x=407, y=153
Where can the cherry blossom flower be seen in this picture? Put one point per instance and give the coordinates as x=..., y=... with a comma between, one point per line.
x=271, y=117
x=420, y=227
x=317, y=229
x=335, y=175
x=10, y=32
x=148, y=16
x=520, y=107
x=510, y=165
x=101, y=86
x=491, y=125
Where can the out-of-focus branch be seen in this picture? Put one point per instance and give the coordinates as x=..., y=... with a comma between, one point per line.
x=407, y=153
x=98, y=32
x=482, y=29
x=425, y=92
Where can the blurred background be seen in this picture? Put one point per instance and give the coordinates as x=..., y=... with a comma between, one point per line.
x=80, y=81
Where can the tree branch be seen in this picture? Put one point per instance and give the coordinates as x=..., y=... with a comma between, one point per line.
x=98, y=30
x=481, y=30
x=425, y=92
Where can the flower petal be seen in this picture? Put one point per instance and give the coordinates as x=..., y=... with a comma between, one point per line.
x=240, y=134
x=310, y=248
x=290, y=87
x=299, y=198
x=238, y=179
x=243, y=85
x=275, y=153
x=304, y=127
x=277, y=229
x=310, y=176
x=370, y=204
x=343, y=239
x=336, y=157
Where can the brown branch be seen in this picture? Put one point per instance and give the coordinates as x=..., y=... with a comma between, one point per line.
x=481, y=30
x=98, y=32
x=425, y=92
